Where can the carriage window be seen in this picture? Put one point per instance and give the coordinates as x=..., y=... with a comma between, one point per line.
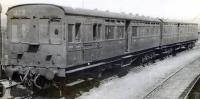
x=43, y=31
x=14, y=30
x=77, y=32
x=96, y=31
x=70, y=32
x=25, y=32
x=134, y=31
x=109, y=32
x=99, y=31
x=20, y=30
x=120, y=32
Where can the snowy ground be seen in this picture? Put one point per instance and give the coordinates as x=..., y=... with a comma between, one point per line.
x=141, y=80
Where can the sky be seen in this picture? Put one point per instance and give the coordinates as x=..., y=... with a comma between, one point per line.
x=172, y=9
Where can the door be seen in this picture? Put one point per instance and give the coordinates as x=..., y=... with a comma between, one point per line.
x=91, y=43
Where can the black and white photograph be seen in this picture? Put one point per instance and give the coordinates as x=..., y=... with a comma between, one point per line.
x=99, y=49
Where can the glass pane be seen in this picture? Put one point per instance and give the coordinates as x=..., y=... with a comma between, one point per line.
x=95, y=32
x=55, y=30
x=14, y=30
x=109, y=32
x=25, y=32
x=70, y=32
x=134, y=31
x=120, y=32
x=77, y=32
x=43, y=31
x=99, y=32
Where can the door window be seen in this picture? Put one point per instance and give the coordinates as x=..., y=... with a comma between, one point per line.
x=55, y=32
x=109, y=32
x=70, y=32
x=43, y=31
x=96, y=31
x=120, y=32
x=77, y=32
x=134, y=31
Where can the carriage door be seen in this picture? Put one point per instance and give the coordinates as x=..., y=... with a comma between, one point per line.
x=91, y=43
x=127, y=35
x=55, y=31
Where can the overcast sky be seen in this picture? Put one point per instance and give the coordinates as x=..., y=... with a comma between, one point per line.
x=173, y=9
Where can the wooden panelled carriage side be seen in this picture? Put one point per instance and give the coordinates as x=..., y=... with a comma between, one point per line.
x=55, y=41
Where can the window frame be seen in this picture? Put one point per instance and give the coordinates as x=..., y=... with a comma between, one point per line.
x=58, y=25
x=136, y=31
x=107, y=33
x=20, y=35
x=120, y=32
x=48, y=37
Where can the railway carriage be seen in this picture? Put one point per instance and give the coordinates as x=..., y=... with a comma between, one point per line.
x=50, y=41
x=176, y=32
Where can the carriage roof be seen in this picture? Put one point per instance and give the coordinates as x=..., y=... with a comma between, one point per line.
x=94, y=13
x=104, y=14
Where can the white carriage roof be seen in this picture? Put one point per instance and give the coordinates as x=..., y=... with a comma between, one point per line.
x=104, y=14
x=94, y=13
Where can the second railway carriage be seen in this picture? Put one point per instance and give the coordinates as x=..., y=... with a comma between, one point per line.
x=175, y=32
x=54, y=41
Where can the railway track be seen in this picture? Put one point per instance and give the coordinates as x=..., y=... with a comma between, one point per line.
x=166, y=79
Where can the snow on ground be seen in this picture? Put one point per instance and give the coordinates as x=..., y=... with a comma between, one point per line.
x=139, y=81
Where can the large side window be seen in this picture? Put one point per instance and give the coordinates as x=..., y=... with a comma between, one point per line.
x=77, y=32
x=134, y=31
x=120, y=32
x=70, y=32
x=43, y=31
x=109, y=32
x=96, y=31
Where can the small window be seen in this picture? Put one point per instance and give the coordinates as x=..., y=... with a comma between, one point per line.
x=56, y=31
x=134, y=31
x=70, y=32
x=107, y=20
x=109, y=32
x=113, y=21
x=120, y=32
x=77, y=32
